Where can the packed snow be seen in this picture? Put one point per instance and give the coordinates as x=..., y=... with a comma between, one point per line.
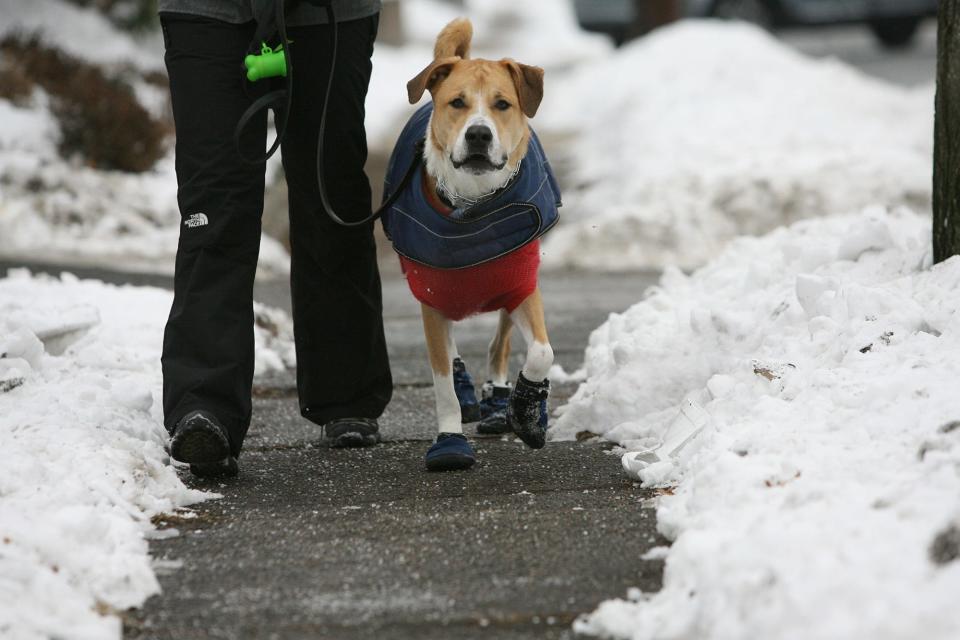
x=83, y=32
x=720, y=131
x=58, y=211
x=820, y=362
x=704, y=131
x=64, y=212
x=82, y=450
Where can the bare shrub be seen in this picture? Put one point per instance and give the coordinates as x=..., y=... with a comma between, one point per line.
x=15, y=85
x=100, y=118
x=126, y=14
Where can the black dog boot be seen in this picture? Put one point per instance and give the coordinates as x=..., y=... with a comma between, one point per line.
x=466, y=393
x=493, y=409
x=527, y=411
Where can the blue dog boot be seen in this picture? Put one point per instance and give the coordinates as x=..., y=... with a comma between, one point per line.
x=527, y=411
x=466, y=394
x=493, y=409
x=451, y=452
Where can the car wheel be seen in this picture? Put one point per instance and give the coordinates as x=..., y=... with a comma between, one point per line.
x=753, y=11
x=895, y=33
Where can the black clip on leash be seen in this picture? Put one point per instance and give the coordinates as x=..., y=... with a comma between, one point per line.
x=269, y=65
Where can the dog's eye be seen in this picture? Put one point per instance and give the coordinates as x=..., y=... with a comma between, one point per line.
x=458, y=103
x=502, y=105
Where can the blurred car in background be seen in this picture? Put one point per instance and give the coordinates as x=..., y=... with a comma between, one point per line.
x=893, y=22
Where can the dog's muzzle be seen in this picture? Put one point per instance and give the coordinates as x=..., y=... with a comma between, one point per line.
x=476, y=159
x=478, y=138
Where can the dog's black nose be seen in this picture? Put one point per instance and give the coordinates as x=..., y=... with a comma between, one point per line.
x=478, y=137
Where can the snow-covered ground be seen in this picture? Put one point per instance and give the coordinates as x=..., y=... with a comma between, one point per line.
x=704, y=131
x=670, y=147
x=82, y=32
x=55, y=210
x=81, y=450
x=59, y=211
x=821, y=359
x=822, y=362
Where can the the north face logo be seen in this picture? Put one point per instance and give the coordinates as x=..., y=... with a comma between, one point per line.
x=196, y=220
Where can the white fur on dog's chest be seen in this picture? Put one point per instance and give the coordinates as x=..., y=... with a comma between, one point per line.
x=455, y=182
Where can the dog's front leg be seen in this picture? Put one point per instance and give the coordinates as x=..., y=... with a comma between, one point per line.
x=527, y=411
x=529, y=318
x=451, y=451
x=437, y=330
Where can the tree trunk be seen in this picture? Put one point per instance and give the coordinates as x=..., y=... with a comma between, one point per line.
x=946, y=149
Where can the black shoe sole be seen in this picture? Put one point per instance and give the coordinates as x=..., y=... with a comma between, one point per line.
x=199, y=443
x=352, y=439
x=450, y=462
x=470, y=414
x=226, y=468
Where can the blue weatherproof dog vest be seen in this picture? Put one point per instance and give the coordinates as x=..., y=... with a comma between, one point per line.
x=519, y=213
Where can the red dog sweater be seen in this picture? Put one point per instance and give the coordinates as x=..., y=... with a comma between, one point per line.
x=457, y=293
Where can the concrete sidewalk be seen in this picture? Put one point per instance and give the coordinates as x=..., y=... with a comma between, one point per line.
x=340, y=544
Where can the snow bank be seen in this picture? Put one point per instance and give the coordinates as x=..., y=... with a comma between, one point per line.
x=81, y=449
x=83, y=32
x=825, y=357
x=61, y=211
x=53, y=210
x=704, y=131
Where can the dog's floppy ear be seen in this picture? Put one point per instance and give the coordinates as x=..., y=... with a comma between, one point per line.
x=435, y=72
x=454, y=40
x=528, y=81
x=453, y=44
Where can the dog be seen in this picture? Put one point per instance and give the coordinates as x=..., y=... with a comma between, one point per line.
x=475, y=140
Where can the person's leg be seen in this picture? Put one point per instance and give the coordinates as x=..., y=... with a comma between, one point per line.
x=208, y=347
x=342, y=365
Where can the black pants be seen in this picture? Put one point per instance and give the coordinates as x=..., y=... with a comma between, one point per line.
x=208, y=348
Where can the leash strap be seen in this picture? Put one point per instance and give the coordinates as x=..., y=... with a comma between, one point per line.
x=286, y=95
x=321, y=181
x=271, y=99
x=263, y=102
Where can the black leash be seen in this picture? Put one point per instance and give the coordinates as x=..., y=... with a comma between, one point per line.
x=286, y=95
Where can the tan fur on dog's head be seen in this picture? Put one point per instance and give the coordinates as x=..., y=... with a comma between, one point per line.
x=499, y=95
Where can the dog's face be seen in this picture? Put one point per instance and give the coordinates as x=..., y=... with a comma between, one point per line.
x=478, y=132
x=478, y=123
